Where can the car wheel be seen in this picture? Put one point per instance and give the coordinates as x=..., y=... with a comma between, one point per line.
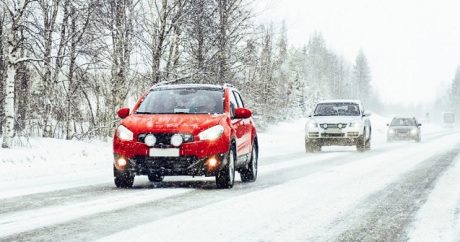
x=226, y=177
x=361, y=144
x=155, y=178
x=123, y=180
x=368, y=145
x=311, y=147
x=250, y=174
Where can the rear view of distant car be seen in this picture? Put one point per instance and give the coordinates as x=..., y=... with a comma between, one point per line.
x=404, y=128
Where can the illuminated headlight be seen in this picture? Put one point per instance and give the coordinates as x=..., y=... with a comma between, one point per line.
x=150, y=140
x=340, y=126
x=312, y=125
x=391, y=131
x=176, y=140
x=124, y=133
x=212, y=133
x=325, y=126
x=414, y=131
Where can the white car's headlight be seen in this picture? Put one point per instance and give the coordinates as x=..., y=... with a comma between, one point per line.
x=356, y=125
x=312, y=125
x=124, y=133
x=414, y=131
x=391, y=131
x=212, y=133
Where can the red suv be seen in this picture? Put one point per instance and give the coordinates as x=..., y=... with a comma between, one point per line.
x=186, y=129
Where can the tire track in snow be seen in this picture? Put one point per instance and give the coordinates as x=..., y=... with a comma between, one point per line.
x=386, y=215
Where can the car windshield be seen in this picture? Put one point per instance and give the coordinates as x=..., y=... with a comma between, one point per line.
x=184, y=101
x=403, y=122
x=337, y=109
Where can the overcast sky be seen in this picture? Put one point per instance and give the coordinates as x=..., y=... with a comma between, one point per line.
x=413, y=46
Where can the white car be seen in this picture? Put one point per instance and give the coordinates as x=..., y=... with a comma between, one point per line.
x=338, y=122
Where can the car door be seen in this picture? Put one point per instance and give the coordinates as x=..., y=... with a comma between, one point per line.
x=237, y=125
x=246, y=127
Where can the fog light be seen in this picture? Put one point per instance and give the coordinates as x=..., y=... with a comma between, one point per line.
x=121, y=162
x=212, y=162
x=176, y=140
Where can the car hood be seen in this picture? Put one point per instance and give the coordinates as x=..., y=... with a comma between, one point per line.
x=336, y=119
x=170, y=123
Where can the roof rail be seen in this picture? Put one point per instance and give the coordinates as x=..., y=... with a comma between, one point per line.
x=159, y=84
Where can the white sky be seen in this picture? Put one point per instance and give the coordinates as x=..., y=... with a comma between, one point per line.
x=413, y=46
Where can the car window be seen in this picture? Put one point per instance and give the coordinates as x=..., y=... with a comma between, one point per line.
x=337, y=109
x=402, y=122
x=183, y=100
x=233, y=104
x=239, y=99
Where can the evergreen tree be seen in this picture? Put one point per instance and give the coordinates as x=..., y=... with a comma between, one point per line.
x=455, y=92
x=361, y=87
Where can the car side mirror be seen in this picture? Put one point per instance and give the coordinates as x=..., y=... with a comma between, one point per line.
x=388, y=125
x=243, y=113
x=366, y=115
x=123, y=113
x=419, y=125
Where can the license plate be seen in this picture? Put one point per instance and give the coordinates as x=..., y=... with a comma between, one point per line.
x=170, y=152
x=333, y=131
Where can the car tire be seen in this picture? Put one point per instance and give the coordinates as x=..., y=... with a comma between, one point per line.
x=225, y=178
x=123, y=179
x=361, y=144
x=311, y=147
x=155, y=178
x=250, y=174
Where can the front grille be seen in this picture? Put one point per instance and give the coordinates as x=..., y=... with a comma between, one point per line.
x=164, y=139
x=333, y=126
x=402, y=131
x=165, y=163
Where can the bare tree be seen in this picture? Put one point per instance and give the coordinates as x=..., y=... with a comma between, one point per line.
x=16, y=12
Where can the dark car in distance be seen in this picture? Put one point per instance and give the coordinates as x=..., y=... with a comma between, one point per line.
x=404, y=128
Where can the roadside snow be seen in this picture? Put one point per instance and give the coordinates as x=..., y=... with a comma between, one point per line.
x=439, y=218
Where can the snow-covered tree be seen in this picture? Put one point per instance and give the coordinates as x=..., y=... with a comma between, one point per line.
x=361, y=88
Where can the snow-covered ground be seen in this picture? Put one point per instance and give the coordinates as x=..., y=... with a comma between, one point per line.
x=62, y=190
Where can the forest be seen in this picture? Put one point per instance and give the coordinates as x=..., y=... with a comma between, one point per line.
x=67, y=66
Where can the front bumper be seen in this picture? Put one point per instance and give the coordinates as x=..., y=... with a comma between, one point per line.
x=172, y=166
x=346, y=133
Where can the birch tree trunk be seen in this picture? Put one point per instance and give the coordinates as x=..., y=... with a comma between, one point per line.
x=12, y=56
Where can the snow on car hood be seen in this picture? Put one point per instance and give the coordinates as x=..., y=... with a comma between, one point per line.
x=176, y=123
x=335, y=119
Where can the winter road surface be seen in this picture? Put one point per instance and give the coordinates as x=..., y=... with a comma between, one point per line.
x=396, y=192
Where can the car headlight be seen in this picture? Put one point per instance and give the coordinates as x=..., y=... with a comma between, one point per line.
x=312, y=125
x=414, y=131
x=391, y=131
x=124, y=133
x=355, y=125
x=212, y=133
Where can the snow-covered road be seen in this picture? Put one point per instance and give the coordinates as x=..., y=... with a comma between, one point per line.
x=397, y=191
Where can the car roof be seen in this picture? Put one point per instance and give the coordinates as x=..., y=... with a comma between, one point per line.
x=340, y=101
x=178, y=86
x=403, y=117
